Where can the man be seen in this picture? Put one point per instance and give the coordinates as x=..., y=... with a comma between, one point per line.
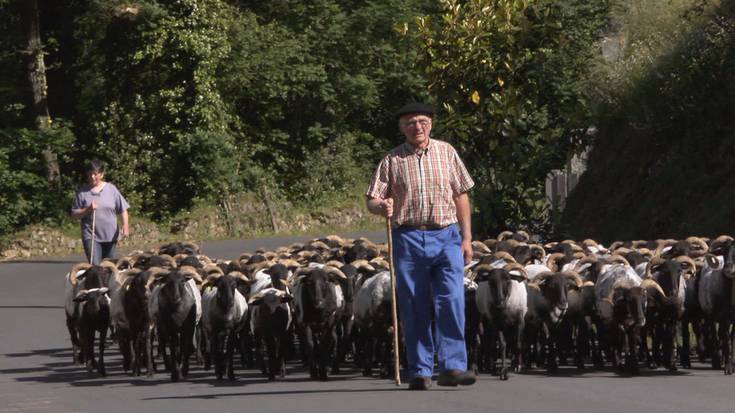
x=422, y=187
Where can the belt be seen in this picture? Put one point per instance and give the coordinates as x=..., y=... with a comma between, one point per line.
x=431, y=227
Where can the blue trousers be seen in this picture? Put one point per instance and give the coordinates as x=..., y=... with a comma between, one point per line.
x=101, y=250
x=429, y=275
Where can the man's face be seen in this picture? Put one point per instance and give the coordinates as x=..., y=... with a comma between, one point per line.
x=416, y=127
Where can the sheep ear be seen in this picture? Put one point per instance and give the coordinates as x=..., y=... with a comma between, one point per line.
x=104, y=290
x=711, y=259
x=286, y=298
x=81, y=296
x=516, y=276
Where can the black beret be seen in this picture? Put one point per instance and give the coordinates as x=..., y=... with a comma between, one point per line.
x=415, y=107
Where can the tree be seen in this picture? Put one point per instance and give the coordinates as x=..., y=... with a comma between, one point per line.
x=510, y=78
x=36, y=72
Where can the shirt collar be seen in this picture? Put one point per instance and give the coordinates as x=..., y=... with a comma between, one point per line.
x=417, y=151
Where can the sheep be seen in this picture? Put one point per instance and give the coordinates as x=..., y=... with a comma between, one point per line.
x=129, y=314
x=717, y=297
x=666, y=293
x=501, y=300
x=79, y=289
x=315, y=305
x=224, y=312
x=175, y=310
x=89, y=311
x=271, y=325
x=547, y=304
x=374, y=321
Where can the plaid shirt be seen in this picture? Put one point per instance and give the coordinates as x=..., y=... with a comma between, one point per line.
x=422, y=183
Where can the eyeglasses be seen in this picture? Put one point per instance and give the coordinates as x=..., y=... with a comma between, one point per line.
x=417, y=123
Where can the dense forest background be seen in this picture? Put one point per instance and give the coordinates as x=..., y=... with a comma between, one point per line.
x=200, y=102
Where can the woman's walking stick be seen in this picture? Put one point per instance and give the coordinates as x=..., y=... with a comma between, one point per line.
x=91, y=250
x=394, y=306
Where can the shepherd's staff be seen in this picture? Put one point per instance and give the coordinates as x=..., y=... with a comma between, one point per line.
x=91, y=250
x=394, y=305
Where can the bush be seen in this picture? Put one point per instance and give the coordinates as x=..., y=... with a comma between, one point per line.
x=25, y=194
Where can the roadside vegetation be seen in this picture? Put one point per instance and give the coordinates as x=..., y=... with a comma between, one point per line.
x=196, y=105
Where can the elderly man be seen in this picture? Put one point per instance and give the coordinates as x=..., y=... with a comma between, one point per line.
x=422, y=187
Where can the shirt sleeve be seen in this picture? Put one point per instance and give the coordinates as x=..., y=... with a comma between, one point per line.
x=121, y=204
x=461, y=179
x=380, y=183
x=78, y=202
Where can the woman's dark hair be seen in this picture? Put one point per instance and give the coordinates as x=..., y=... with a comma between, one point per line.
x=95, y=165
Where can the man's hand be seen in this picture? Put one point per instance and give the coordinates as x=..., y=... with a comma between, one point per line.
x=125, y=232
x=382, y=207
x=467, y=251
x=92, y=207
x=386, y=207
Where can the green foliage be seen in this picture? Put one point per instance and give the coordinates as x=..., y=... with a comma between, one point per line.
x=510, y=77
x=150, y=100
x=25, y=196
x=667, y=136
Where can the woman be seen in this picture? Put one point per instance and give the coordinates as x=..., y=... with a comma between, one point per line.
x=101, y=202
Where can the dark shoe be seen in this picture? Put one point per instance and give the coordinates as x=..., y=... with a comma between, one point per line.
x=456, y=377
x=419, y=383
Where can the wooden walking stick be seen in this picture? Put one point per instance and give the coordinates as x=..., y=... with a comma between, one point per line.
x=394, y=306
x=91, y=250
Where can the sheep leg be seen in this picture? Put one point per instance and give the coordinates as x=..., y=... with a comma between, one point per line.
x=713, y=344
x=686, y=349
x=582, y=344
x=270, y=346
x=517, y=348
x=503, y=373
x=368, y=344
x=186, y=346
x=551, y=335
x=309, y=345
x=231, y=355
x=149, y=351
x=670, y=349
x=724, y=333
x=101, y=365
x=214, y=345
x=283, y=346
x=71, y=326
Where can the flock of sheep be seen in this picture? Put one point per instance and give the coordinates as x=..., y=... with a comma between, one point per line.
x=527, y=305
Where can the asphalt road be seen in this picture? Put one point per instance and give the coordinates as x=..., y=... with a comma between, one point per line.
x=36, y=372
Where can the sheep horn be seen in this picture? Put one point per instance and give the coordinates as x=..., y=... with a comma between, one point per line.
x=538, y=247
x=650, y=283
x=588, y=259
x=504, y=235
x=154, y=273
x=541, y=277
x=516, y=267
x=551, y=261
x=192, y=272
x=655, y=262
x=239, y=276
x=335, y=271
x=619, y=259
x=688, y=265
x=75, y=270
x=573, y=275
x=502, y=255
x=480, y=247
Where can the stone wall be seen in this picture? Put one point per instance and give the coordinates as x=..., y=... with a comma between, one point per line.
x=243, y=219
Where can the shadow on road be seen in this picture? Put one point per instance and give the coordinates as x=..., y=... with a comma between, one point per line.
x=32, y=306
x=273, y=393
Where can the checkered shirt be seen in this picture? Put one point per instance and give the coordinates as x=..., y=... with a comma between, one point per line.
x=422, y=183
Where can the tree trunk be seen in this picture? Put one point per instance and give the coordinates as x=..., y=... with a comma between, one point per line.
x=36, y=70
